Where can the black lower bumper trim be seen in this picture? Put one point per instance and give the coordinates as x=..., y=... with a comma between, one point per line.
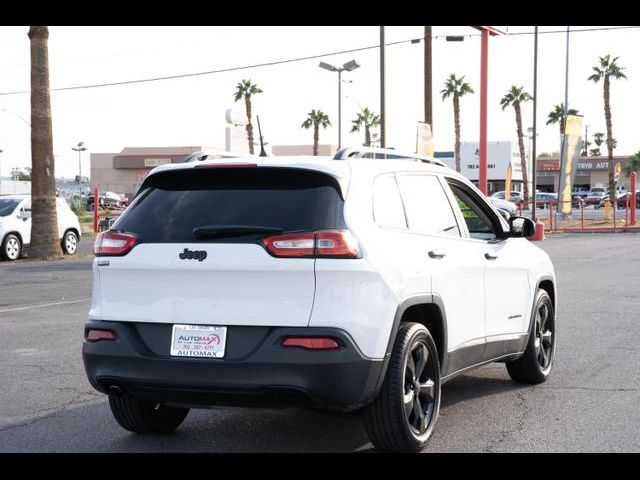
x=257, y=370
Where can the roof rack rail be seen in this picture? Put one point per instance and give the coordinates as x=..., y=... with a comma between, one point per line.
x=382, y=154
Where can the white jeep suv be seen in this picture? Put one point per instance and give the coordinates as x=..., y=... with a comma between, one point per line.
x=15, y=226
x=340, y=284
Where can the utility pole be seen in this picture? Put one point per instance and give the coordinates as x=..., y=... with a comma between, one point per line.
x=428, y=86
x=534, y=182
x=383, y=116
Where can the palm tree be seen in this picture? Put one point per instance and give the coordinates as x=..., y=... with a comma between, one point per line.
x=45, y=243
x=317, y=119
x=557, y=116
x=245, y=89
x=634, y=166
x=514, y=97
x=605, y=70
x=367, y=119
x=598, y=139
x=456, y=88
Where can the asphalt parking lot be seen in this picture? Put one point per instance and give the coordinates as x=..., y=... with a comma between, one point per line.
x=590, y=403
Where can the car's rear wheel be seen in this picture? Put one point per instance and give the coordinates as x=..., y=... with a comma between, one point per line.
x=537, y=361
x=11, y=247
x=146, y=417
x=404, y=414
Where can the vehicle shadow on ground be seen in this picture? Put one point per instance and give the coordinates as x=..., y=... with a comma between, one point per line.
x=91, y=428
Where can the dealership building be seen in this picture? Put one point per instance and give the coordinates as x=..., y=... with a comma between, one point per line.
x=591, y=172
x=124, y=172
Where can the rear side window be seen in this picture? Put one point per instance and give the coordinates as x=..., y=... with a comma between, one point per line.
x=172, y=204
x=388, y=211
x=427, y=206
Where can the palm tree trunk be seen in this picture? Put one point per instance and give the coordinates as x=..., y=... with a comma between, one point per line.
x=607, y=117
x=523, y=160
x=367, y=136
x=316, y=139
x=456, y=123
x=45, y=242
x=247, y=104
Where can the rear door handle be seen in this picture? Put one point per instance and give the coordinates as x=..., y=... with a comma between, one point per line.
x=489, y=256
x=436, y=254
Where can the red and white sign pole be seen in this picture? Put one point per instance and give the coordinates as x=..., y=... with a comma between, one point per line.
x=632, y=198
x=484, y=79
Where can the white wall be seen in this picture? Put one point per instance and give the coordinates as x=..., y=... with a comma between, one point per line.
x=13, y=187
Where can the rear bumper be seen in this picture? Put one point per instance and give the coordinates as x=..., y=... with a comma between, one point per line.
x=256, y=369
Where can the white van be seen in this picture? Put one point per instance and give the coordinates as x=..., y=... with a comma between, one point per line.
x=15, y=226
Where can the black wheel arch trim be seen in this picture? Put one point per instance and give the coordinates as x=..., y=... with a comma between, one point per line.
x=543, y=278
x=420, y=299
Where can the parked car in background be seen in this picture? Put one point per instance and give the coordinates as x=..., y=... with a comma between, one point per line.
x=546, y=200
x=509, y=207
x=516, y=197
x=621, y=200
x=595, y=197
x=581, y=192
x=15, y=226
x=108, y=200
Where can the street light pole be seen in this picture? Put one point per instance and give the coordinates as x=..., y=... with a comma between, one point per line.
x=80, y=148
x=349, y=67
x=428, y=89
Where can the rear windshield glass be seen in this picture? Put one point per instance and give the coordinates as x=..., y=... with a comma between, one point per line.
x=172, y=204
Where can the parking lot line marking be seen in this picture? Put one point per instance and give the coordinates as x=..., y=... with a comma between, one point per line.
x=42, y=305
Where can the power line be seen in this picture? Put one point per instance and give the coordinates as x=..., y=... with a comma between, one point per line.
x=292, y=60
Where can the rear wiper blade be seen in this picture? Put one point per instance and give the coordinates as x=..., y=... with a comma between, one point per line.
x=229, y=230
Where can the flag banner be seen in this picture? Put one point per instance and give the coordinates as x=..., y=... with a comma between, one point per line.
x=571, y=148
x=507, y=183
x=424, y=140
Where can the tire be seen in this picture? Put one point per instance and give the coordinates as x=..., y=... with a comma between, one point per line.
x=146, y=417
x=389, y=426
x=537, y=361
x=11, y=247
x=70, y=243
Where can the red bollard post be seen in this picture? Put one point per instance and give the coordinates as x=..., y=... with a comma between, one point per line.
x=96, y=214
x=632, y=199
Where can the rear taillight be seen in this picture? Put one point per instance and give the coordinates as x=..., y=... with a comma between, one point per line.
x=311, y=343
x=96, y=335
x=114, y=244
x=325, y=243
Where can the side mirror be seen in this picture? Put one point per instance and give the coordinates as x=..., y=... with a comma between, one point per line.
x=522, y=227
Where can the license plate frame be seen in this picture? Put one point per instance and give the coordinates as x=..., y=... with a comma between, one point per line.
x=198, y=341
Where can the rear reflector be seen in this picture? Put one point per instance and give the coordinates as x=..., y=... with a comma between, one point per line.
x=325, y=243
x=311, y=343
x=96, y=335
x=113, y=244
